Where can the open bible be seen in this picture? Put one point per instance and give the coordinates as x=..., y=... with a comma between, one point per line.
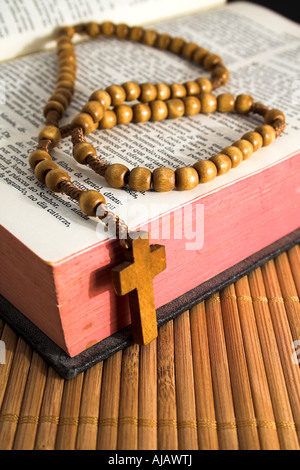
x=55, y=263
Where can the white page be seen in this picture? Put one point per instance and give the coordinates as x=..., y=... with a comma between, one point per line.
x=27, y=27
x=50, y=224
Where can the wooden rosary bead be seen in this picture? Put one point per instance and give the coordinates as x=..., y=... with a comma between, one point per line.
x=93, y=29
x=54, y=106
x=65, y=78
x=102, y=96
x=67, y=69
x=206, y=169
x=222, y=162
x=63, y=39
x=136, y=33
x=64, y=51
x=82, y=150
x=38, y=156
x=220, y=73
x=199, y=54
x=64, y=45
x=54, y=178
x=65, y=92
x=140, y=179
x=204, y=84
x=141, y=112
x=192, y=88
x=109, y=120
x=89, y=201
x=272, y=115
x=211, y=60
x=163, y=41
x=243, y=104
x=117, y=94
x=51, y=133
x=94, y=109
x=60, y=98
x=107, y=28
x=159, y=110
x=68, y=84
x=148, y=93
x=149, y=37
x=208, y=103
x=268, y=134
x=175, y=108
x=235, y=155
x=188, y=50
x=124, y=114
x=163, y=91
x=245, y=147
x=122, y=31
x=62, y=76
x=176, y=45
x=85, y=122
x=192, y=105
x=67, y=63
x=255, y=138
x=42, y=169
x=132, y=90
x=225, y=103
x=163, y=179
x=67, y=31
x=67, y=54
x=186, y=178
x=177, y=90
x=116, y=175
x=64, y=62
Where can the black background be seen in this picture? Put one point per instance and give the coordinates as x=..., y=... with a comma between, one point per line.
x=288, y=8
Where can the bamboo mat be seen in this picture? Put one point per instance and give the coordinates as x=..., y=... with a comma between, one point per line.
x=223, y=375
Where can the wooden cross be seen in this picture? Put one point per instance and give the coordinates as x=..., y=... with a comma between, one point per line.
x=136, y=279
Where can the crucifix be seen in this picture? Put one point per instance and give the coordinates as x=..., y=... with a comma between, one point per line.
x=135, y=277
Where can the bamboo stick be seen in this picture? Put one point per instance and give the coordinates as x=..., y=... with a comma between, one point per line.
x=31, y=404
x=69, y=413
x=274, y=368
x=14, y=392
x=109, y=403
x=241, y=390
x=89, y=409
x=206, y=418
x=284, y=339
x=128, y=411
x=50, y=410
x=226, y=424
x=147, y=432
x=166, y=394
x=184, y=381
x=10, y=340
x=294, y=259
x=289, y=293
x=255, y=364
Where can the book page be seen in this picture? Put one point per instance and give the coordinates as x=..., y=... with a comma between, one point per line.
x=27, y=26
x=262, y=63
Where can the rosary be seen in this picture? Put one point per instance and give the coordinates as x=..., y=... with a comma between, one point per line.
x=156, y=102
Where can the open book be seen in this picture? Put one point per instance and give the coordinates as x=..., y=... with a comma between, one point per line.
x=55, y=263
